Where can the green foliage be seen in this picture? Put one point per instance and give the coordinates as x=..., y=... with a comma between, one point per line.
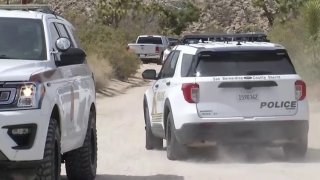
x=282, y=10
x=107, y=45
x=176, y=19
x=170, y=19
x=294, y=37
x=112, y=12
x=312, y=18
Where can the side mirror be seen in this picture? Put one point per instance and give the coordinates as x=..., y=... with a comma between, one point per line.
x=63, y=44
x=71, y=56
x=149, y=74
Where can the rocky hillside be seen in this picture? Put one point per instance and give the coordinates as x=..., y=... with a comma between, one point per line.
x=216, y=15
x=229, y=16
x=62, y=6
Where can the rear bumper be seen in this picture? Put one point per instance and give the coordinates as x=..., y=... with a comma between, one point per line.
x=149, y=57
x=274, y=133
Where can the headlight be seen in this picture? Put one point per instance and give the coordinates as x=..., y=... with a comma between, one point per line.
x=26, y=95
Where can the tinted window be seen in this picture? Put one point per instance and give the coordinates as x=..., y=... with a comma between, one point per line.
x=186, y=64
x=170, y=67
x=244, y=63
x=22, y=39
x=63, y=32
x=166, y=65
x=149, y=40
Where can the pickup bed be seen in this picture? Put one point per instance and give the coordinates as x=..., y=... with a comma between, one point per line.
x=150, y=48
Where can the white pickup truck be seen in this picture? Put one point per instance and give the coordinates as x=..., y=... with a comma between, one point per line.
x=150, y=48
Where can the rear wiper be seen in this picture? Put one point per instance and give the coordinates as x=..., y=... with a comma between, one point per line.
x=258, y=72
x=5, y=57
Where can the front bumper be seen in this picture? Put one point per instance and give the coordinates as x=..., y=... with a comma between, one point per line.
x=23, y=117
x=274, y=133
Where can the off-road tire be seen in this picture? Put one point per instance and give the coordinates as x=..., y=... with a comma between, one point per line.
x=152, y=142
x=296, y=151
x=81, y=164
x=51, y=166
x=175, y=150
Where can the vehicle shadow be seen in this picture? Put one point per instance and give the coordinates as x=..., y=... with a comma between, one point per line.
x=124, y=177
x=250, y=156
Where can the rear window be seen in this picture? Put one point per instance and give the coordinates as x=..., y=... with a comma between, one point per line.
x=149, y=40
x=243, y=63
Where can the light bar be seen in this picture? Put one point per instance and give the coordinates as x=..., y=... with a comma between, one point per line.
x=28, y=7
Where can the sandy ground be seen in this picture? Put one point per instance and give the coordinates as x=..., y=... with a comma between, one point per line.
x=122, y=155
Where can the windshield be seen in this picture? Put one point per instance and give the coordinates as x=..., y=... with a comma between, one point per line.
x=22, y=39
x=149, y=40
x=237, y=63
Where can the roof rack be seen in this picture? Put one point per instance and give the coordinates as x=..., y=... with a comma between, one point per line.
x=245, y=37
x=29, y=7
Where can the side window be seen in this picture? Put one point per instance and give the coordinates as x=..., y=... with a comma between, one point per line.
x=165, y=65
x=63, y=32
x=170, y=67
x=54, y=35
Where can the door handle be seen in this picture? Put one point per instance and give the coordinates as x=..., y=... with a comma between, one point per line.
x=168, y=83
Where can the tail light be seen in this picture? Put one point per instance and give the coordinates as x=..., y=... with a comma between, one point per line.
x=191, y=92
x=301, y=90
x=157, y=49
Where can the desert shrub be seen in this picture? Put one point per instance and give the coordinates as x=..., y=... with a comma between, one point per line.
x=106, y=48
x=294, y=36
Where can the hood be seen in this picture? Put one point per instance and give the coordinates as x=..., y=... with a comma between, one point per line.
x=19, y=70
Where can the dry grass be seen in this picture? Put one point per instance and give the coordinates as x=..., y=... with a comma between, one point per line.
x=102, y=71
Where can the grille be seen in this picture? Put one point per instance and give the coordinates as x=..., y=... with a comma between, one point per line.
x=7, y=95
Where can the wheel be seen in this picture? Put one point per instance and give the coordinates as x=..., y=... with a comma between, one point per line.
x=152, y=142
x=81, y=164
x=297, y=150
x=175, y=150
x=51, y=167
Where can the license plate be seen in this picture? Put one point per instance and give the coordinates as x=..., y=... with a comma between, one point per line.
x=248, y=97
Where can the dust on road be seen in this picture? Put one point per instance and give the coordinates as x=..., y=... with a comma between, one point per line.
x=122, y=155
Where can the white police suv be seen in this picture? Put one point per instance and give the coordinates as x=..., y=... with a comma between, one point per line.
x=47, y=97
x=226, y=93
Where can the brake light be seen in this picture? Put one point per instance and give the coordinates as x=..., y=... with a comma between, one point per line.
x=157, y=49
x=301, y=90
x=191, y=92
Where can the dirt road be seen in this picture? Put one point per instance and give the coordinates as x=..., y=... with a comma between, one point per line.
x=122, y=155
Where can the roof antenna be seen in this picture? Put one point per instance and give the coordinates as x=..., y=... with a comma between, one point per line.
x=239, y=43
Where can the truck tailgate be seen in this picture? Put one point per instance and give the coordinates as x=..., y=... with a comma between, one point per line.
x=143, y=49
